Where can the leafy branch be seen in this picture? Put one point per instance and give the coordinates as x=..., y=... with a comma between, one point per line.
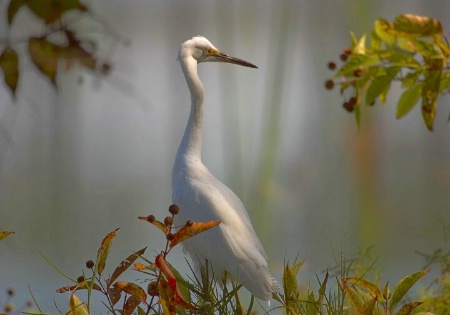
x=411, y=50
x=58, y=48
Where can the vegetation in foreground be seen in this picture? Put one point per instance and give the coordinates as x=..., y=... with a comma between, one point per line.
x=350, y=291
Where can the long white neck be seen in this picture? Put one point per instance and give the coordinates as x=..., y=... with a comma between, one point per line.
x=191, y=144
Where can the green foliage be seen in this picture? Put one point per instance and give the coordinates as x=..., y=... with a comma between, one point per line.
x=411, y=50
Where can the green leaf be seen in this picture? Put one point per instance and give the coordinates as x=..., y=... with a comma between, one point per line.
x=418, y=26
x=403, y=287
x=430, y=92
x=408, y=100
x=357, y=62
x=380, y=86
x=290, y=285
x=422, y=47
x=410, y=79
x=375, y=41
x=369, y=306
x=358, y=45
x=9, y=63
x=384, y=31
x=13, y=8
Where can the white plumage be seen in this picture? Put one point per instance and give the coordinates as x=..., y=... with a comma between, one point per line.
x=232, y=247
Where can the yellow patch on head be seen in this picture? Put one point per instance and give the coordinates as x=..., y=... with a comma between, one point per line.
x=211, y=51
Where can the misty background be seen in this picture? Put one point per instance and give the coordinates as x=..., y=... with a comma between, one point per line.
x=81, y=162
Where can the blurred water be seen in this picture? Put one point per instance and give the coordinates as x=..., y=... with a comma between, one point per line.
x=98, y=154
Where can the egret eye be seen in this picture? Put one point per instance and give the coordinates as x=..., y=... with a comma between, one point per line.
x=209, y=51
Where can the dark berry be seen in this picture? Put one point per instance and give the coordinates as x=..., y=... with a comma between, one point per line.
x=347, y=51
x=343, y=57
x=10, y=291
x=170, y=236
x=348, y=107
x=329, y=84
x=189, y=223
x=331, y=65
x=151, y=218
x=80, y=279
x=357, y=73
x=174, y=209
x=89, y=264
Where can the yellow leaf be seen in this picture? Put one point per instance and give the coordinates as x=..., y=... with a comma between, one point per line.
x=9, y=63
x=44, y=55
x=76, y=307
x=417, y=26
x=131, y=288
x=124, y=265
x=4, y=234
x=103, y=251
x=51, y=10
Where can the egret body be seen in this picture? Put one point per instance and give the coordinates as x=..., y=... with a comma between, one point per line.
x=232, y=249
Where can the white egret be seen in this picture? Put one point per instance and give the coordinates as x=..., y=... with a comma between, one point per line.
x=232, y=249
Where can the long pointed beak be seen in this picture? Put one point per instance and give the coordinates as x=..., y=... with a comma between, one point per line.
x=221, y=57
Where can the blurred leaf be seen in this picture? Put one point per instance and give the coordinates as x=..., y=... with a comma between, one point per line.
x=13, y=8
x=385, y=32
x=103, y=251
x=369, y=306
x=355, y=298
x=375, y=41
x=358, y=45
x=171, y=298
x=403, y=287
x=193, y=229
x=51, y=10
x=408, y=100
x=44, y=55
x=131, y=288
x=408, y=308
x=373, y=289
x=9, y=63
x=357, y=62
x=76, y=307
x=410, y=79
x=74, y=53
x=430, y=94
x=4, y=234
x=422, y=47
x=124, y=265
x=417, y=26
x=380, y=85
x=130, y=305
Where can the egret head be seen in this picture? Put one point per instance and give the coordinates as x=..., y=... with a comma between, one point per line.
x=203, y=51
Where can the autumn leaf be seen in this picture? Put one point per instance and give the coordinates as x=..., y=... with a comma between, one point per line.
x=51, y=10
x=44, y=55
x=190, y=230
x=4, y=234
x=79, y=286
x=130, y=305
x=124, y=265
x=103, y=251
x=415, y=25
x=9, y=63
x=131, y=288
